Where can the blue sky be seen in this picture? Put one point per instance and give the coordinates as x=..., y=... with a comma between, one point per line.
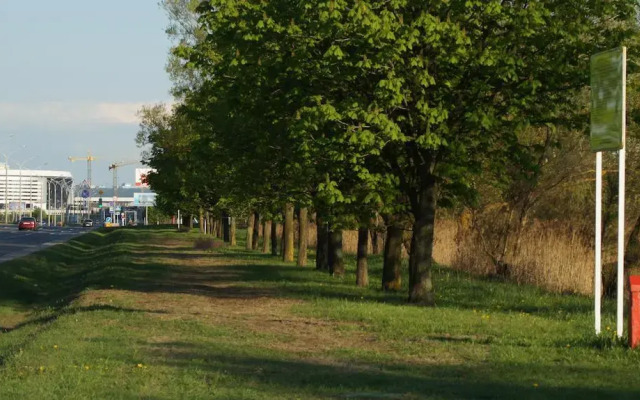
x=72, y=75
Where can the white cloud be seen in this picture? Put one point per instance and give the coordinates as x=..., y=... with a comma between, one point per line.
x=68, y=114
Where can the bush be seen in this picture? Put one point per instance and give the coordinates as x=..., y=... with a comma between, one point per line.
x=207, y=243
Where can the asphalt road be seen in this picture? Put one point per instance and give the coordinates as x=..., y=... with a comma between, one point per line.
x=15, y=243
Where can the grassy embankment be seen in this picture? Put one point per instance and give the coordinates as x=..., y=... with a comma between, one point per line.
x=140, y=314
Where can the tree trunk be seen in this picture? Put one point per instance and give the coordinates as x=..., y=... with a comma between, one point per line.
x=609, y=208
x=214, y=227
x=225, y=227
x=281, y=240
x=420, y=259
x=377, y=241
x=322, y=245
x=362, y=272
x=377, y=235
x=374, y=241
x=274, y=238
x=256, y=231
x=201, y=221
x=336, y=261
x=190, y=221
x=232, y=232
x=287, y=236
x=632, y=250
x=303, y=224
x=266, y=236
x=250, y=222
x=392, y=264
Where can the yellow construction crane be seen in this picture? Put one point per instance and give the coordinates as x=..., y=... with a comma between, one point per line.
x=89, y=158
x=114, y=167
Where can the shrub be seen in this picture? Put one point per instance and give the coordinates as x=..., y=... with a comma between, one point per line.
x=207, y=243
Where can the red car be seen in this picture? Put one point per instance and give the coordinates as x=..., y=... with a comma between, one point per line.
x=28, y=223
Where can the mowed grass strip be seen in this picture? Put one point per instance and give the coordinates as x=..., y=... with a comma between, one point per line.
x=129, y=314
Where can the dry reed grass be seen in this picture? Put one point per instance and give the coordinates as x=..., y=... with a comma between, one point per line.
x=549, y=257
x=349, y=238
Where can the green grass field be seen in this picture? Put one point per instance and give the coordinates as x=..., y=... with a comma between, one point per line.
x=140, y=314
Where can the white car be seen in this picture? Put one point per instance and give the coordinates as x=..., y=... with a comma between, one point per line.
x=87, y=223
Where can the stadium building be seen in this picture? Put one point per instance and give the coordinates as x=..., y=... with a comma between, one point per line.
x=23, y=190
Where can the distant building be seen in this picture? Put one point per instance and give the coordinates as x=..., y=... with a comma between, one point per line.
x=22, y=190
x=127, y=207
x=126, y=196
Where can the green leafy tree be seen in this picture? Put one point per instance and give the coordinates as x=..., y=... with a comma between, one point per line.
x=449, y=85
x=183, y=30
x=349, y=104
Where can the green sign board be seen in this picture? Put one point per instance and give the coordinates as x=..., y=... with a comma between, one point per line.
x=608, y=85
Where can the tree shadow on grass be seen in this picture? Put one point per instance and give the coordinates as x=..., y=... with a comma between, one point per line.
x=41, y=322
x=367, y=380
x=120, y=260
x=48, y=318
x=458, y=290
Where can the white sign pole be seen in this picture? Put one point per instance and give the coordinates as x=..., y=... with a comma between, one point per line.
x=621, y=195
x=598, y=253
x=620, y=295
x=608, y=126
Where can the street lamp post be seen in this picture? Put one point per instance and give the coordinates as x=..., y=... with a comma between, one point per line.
x=48, y=203
x=70, y=200
x=6, y=190
x=21, y=166
x=42, y=201
x=33, y=188
x=56, y=207
x=58, y=195
x=20, y=194
x=6, y=177
x=6, y=185
x=31, y=193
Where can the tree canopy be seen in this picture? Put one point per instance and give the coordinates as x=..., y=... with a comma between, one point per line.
x=383, y=106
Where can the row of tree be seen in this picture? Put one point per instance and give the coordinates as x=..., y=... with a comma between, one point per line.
x=360, y=109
